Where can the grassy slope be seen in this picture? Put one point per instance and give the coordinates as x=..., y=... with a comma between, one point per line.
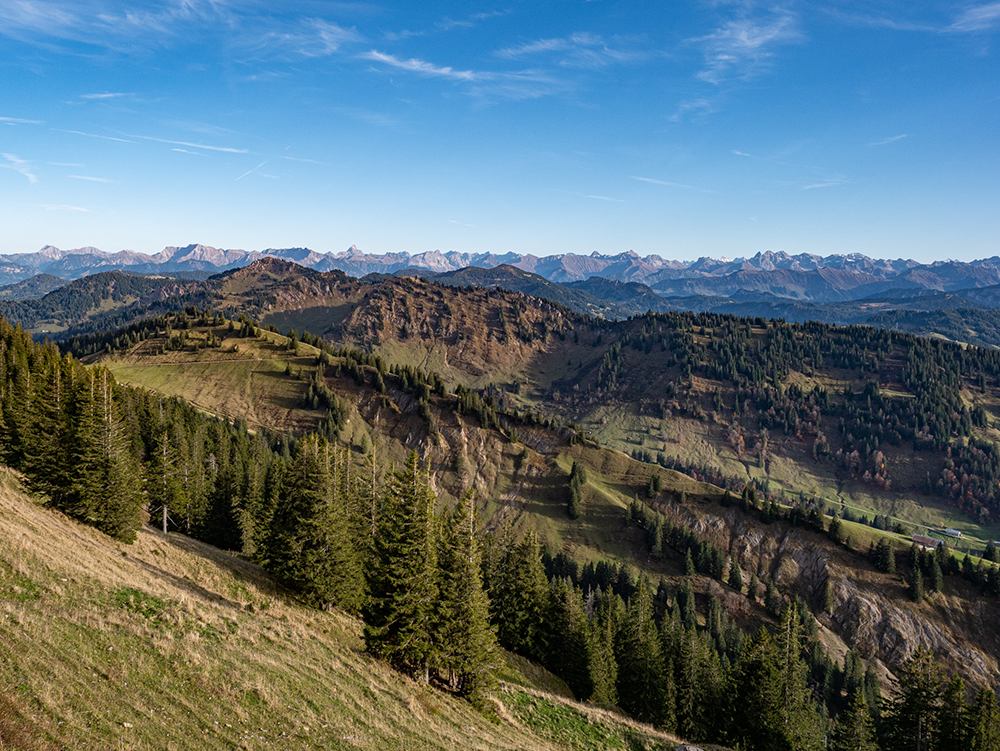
x=529, y=491
x=526, y=487
x=170, y=644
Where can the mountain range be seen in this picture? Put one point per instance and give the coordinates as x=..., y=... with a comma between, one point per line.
x=803, y=277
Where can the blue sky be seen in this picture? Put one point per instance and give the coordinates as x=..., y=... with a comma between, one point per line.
x=677, y=128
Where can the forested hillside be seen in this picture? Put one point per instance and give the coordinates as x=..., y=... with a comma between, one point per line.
x=341, y=534
x=757, y=514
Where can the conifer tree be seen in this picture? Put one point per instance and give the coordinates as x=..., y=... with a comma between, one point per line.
x=311, y=547
x=165, y=477
x=519, y=595
x=984, y=725
x=685, y=600
x=913, y=715
x=916, y=585
x=575, y=498
x=641, y=688
x=854, y=729
x=755, y=714
x=568, y=655
x=953, y=720
x=885, y=557
x=44, y=459
x=826, y=598
x=695, y=674
x=735, y=576
x=601, y=647
x=936, y=576
x=800, y=722
x=689, y=569
x=104, y=490
x=398, y=614
x=466, y=640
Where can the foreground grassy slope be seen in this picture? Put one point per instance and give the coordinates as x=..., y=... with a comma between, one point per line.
x=170, y=644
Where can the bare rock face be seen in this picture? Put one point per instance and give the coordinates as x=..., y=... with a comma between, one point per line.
x=871, y=610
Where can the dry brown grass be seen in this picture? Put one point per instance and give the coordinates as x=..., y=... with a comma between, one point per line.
x=172, y=644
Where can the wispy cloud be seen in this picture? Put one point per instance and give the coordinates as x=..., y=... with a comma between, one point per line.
x=186, y=151
x=977, y=18
x=249, y=172
x=740, y=48
x=227, y=149
x=22, y=166
x=579, y=50
x=869, y=19
x=106, y=95
x=441, y=26
x=701, y=106
x=65, y=164
x=974, y=18
x=20, y=121
x=310, y=37
x=890, y=140
x=92, y=135
x=588, y=195
x=91, y=179
x=422, y=67
x=532, y=48
x=654, y=181
x=59, y=207
x=516, y=85
x=307, y=161
x=770, y=160
x=830, y=182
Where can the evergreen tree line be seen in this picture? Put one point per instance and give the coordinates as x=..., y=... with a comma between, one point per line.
x=108, y=455
x=333, y=531
x=343, y=537
x=659, y=659
x=757, y=355
x=650, y=656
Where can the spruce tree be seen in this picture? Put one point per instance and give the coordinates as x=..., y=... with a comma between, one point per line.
x=735, y=576
x=984, y=725
x=399, y=613
x=695, y=671
x=826, y=598
x=799, y=718
x=44, y=461
x=519, y=593
x=916, y=585
x=953, y=720
x=912, y=717
x=575, y=502
x=854, y=729
x=312, y=547
x=689, y=569
x=165, y=478
x=601, y=647
x=567, y=655
x=754, y=708
x=641, y=676
x=936, y=576
x=467, y=648
x=685, y=600
x=104, y=473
